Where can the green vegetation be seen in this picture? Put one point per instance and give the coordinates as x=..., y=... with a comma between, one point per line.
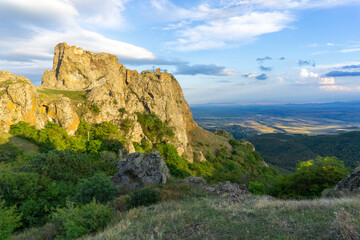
x=74, y=222
x=286, y=151
x=78, y=96
x=122, y=110
x=310, y=179
x=143, y=197
x=95, y=108
x=153, y=127
x=64, y=187
x=253, y=217
x=9, y=220
x=98, y=187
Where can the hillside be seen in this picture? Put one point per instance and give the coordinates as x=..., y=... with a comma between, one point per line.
x=61, y=143
x=94, y=87
x=217, y=217
x=286, y=150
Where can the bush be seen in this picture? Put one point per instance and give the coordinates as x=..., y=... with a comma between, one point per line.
x=34, y=212
x=310, y=179
x=9, y=220
x=178, y=166
x=95, y=108
x=23, y=129
x=153, y=127
x=257, y=188
x=74, y=222
x=15, y=187
x=98, y=186
x=61, y=165
x=9, y=152
x=143, y=197
x=94, y=146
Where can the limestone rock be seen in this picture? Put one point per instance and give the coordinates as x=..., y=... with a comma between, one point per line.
x=111, y=86
x=18, y=101
x=231, y=191
x=350, y=183
x=118, y=92
x=139, y=170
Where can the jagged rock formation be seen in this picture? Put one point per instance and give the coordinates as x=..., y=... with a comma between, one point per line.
x=18, y=101
x=351, y=183
x=94, y=87
x=139, y=170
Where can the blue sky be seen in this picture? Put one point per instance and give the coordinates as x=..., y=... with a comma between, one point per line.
x=224, y=52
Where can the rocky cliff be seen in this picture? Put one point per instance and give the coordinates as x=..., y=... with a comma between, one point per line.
x=94, y=87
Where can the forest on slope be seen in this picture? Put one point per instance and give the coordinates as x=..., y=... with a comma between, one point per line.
x=287, y=150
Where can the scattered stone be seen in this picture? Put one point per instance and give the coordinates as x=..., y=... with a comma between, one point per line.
x=196, y=180
x=351, y=182
x=231, y=191
x=139, y=170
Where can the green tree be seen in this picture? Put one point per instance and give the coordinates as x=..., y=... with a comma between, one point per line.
x=99, y=187
x=9, y=220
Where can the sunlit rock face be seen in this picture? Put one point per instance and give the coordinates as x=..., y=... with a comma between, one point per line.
x=106, y=85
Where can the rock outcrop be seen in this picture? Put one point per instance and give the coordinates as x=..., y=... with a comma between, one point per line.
x=139, y=170
x=94, y=87
x=351, y=183
x=18, y=102
x=111, y=86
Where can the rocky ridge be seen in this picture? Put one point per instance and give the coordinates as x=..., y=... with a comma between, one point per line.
x=350, y=183
x=94, y=87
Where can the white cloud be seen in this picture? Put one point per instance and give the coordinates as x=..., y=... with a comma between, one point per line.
x=339, y=88
x=38, y=25
x=327, y=80
x=104, y=13
x=41, y=45
x=350, y=50
x=37, y=10
x=217, y=33
x=306, y=74
x=287, y=4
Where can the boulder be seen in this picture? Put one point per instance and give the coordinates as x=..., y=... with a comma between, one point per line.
x=350, y=183
x=195, y=180
x=230, y=191
x=139, y=170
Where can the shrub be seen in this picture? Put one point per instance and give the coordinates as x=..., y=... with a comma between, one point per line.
x=98, y=186
x=9, y=220
x=143, y=197
x=178, y=166
x=153, y=127
x=115, y=102
x=34, y=212
x=74, y=222
x=9, y=151
x=310, y=179
x=95, y=108
x=61, y=165
x=16, y=187
x=120, y=203
x=23, y=129
x=94, y=146
x=122, y=110
x=257, y=188
x=126, y=125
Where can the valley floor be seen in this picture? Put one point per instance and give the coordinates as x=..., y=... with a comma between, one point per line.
x=251, y=217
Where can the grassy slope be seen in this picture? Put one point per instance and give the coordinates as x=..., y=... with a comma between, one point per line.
x=23, y=144
x=77, y=96
x=254, y=217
